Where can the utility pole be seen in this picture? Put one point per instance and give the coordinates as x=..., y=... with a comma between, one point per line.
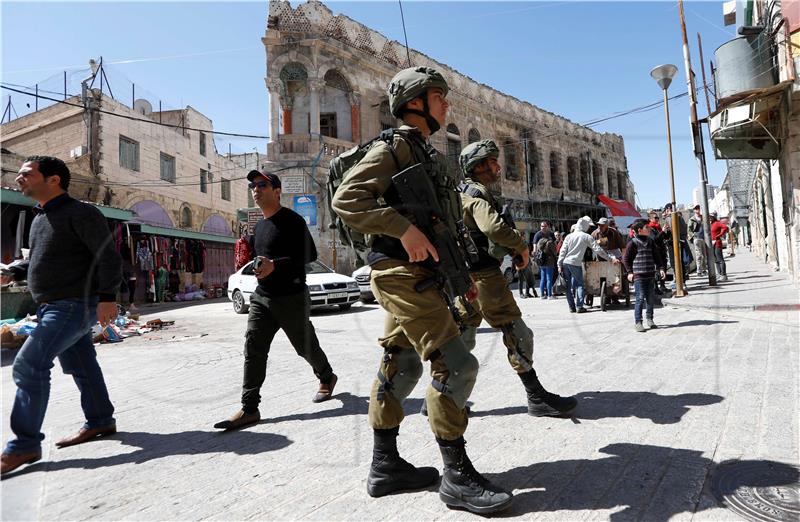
x=699, y=152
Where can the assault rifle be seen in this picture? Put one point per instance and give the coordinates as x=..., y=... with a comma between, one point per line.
x=418, y=199
x=508, y=219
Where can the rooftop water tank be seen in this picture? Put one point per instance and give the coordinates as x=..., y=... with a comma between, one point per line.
x=743, y=64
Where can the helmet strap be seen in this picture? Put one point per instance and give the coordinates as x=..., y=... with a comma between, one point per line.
x=433, y=125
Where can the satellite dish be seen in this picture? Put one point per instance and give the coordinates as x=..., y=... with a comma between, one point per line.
x=142, y=106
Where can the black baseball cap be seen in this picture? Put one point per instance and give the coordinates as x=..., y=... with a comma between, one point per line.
x=697, y=207
x=274, y=180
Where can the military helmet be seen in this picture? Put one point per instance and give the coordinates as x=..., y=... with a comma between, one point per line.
x=411, y=83
x=474, y=153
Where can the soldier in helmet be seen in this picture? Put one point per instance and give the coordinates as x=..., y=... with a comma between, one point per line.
x=419, y=325
x=495, y=302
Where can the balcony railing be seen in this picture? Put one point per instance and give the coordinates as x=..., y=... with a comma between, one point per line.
x=308, y=144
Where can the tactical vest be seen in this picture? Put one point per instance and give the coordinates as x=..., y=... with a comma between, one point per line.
x=490, y=255
x=444, y=181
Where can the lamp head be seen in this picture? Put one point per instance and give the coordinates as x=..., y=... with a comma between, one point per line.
x=663, y=75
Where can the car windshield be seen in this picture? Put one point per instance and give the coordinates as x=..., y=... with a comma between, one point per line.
x=315, y=267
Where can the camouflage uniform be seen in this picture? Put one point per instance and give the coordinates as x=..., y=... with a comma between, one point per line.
x=419, y=324
x=495, y=301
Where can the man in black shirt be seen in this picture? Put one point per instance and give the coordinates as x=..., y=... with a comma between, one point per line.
x=73, y=275
x=283, y=246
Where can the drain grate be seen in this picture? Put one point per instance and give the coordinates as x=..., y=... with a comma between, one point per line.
x=759, y=490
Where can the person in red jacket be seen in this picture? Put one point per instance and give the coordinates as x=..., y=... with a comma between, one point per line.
x=718, y=231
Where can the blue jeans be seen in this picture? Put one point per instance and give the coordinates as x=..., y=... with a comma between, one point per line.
x=573, y=278
x=64, y=332
x=644, y=289
x=546, y=280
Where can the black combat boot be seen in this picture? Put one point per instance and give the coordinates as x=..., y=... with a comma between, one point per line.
x=542, y=403
x=462, y=486
x=389, y=472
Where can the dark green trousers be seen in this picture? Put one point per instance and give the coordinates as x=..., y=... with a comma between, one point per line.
x=267, y=316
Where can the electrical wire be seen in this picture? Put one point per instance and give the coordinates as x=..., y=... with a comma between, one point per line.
x=405, y=36
x=126, y=117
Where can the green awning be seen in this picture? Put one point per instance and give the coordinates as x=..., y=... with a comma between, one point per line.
x=115, y=213
x=186, y=234
x=15, y=197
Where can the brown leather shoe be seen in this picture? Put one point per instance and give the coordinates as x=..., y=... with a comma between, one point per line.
x=11, y=461
x=325, y=391
x=86, y=434
x=239, y=420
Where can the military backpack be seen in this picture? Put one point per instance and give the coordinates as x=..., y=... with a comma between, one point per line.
x=340, y=166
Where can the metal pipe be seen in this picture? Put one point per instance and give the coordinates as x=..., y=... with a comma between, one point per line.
x=676, y=247
x=703, y=72
x=699, y=152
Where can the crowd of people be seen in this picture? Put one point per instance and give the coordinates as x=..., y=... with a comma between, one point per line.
x=646, y=254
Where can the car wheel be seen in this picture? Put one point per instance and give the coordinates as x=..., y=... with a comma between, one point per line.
x=509, y=275
x=238, y=303
x=367, y=300
x=345, y=306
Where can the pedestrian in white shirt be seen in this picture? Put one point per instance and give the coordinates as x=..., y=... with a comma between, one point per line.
x=570, y=261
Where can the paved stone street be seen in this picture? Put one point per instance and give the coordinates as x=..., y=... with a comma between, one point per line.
x=659, y=412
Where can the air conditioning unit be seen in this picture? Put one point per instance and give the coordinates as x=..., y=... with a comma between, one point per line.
x=78, y=151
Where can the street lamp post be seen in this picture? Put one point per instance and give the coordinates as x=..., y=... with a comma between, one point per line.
x=663, y=75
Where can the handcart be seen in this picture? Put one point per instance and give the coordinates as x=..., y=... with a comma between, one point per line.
x=605, y=280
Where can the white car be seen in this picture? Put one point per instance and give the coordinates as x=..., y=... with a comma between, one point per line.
x=327, y=288
x=362, y=275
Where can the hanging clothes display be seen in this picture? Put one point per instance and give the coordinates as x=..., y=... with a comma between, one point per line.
x=243, y=254
x=144, y=256
x=161, y=283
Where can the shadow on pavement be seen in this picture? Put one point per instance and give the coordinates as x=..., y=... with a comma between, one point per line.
x=694, y=322
x=351, y=405
x=652, y=483
x=336, y=310
x=660, y=409
x=154, y=446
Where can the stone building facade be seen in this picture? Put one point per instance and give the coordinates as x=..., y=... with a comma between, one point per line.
x=756, y=127
x=171, y=176
x=327, y=76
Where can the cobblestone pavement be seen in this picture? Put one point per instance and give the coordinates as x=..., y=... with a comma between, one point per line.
x=659, y=412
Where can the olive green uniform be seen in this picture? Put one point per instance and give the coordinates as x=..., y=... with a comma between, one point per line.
x=419, y=325
x=495, y=302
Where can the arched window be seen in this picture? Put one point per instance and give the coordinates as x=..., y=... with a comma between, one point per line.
x=387, y=121
x=586, y=178
x=611, y=179
x=151, y=213
x=510, y=154
x=572, y=173
x=453, y=145
x=622, y=185
x=334, y=79
x=217, y=225
x=597, y=174
x=555, y=170
x=473, y=135
x=186, y=217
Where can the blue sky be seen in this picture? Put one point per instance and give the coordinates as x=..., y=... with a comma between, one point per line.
x=582, y=60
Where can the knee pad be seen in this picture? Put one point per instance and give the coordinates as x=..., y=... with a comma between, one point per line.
x=518, y=339
x=468, y=336
x=462, y=372
x=408, y=371
x=407, y=368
